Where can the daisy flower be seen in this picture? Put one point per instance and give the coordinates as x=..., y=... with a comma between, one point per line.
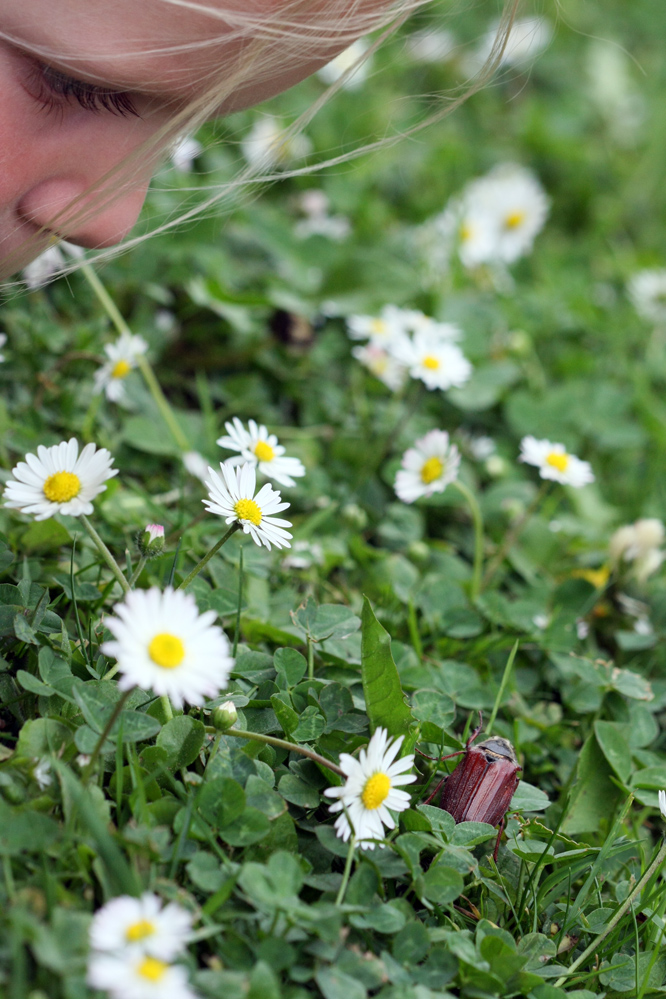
x=640, y=544
x=162, y=643
x=390, y=325
x=185, y=152
x=122, y=357
x=350, y=60
x=496, y=218
x=258, y=447
x=528, y=37
x=371, y=789
x=382, y=365
x=268, y=145
x=232, y=497
x=3, y=341
x=437, y=362
x=428, y=467
x=554, y=462
x=59, y=480
x=647, y=291
x=133, y=975
x=40, y=271
x=662, y=803
x=157, y=930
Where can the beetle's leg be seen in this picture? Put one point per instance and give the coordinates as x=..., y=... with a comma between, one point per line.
x=497, y=841
x=475, y=732
x=431, y=796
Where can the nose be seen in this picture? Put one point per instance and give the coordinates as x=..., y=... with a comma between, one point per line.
x=91, y=218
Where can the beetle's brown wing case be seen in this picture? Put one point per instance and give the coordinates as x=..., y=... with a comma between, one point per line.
x=480, y=790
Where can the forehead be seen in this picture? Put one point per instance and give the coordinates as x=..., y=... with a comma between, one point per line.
x=151, y=45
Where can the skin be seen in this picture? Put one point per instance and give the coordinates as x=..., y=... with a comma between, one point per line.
x=50, y=157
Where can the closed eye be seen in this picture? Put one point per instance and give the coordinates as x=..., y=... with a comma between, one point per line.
x=54, y=89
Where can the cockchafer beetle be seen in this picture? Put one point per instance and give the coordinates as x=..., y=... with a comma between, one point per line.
x=481, y=787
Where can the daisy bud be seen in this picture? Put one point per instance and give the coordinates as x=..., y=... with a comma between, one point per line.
x=225, y=716
x=150, y=541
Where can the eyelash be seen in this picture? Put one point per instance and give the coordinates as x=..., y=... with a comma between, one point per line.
x=53, y=89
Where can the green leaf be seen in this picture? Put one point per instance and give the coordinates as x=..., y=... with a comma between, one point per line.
x=440, y=821
x=285, y=714
x=593, y=796
x=25, y=831
x=45, y=535
x=221, y=801
x=310, y=726
x=528, y=798
x=297, y=792
x=384, y=699
x=24, y=631
x=441, y=884
x=336, y=984
x=615, y=747
x=182, y=737
x=290, y=664
x=250, y=827
x=35, y=686
x=434, y=707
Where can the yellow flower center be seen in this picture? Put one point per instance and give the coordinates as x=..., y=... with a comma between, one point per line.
x=152, y=969
x=375, y=791
x=431, y=470
x=466, y=232
x=264, y=451
x=120, y=369
x=378, y=326
x=514, y=219
x=558, y=460
x=139, y=931
x=430, y=362
x=166, y=650
x=62, y=487
x=597, y=577
x=247, y=509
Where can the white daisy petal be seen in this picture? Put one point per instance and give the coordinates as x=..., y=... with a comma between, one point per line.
x=555, y=463
x=135, y=975
x=143, y=922
x=369, y=792
x=162, y=643
x=260, y=449
x=59, y=480
x=233, y=498
x=428, y=467
x=122, y=358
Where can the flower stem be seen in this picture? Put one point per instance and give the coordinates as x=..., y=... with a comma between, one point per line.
x=137, y=572
x=282, y=744
x=612, y=923
x=310, y=659
x=120, y=704
x=106, y=554
x=162, y=402
x=346, y=872
x=107, y=302
x=159, y=398
x=208, y=556
x=477, y=520
x=166, y=706
x=512, y=535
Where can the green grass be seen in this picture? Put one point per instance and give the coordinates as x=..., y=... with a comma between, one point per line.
x=237, y=830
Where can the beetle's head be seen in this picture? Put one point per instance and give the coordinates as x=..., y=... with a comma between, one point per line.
x=496, y=747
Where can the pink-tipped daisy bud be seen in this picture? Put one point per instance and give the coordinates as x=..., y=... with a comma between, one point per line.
x=225, y=716
x=150, y=541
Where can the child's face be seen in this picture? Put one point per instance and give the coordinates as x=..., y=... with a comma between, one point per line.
x=61, y=129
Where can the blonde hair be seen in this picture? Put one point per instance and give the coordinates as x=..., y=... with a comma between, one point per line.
x=266, y=42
